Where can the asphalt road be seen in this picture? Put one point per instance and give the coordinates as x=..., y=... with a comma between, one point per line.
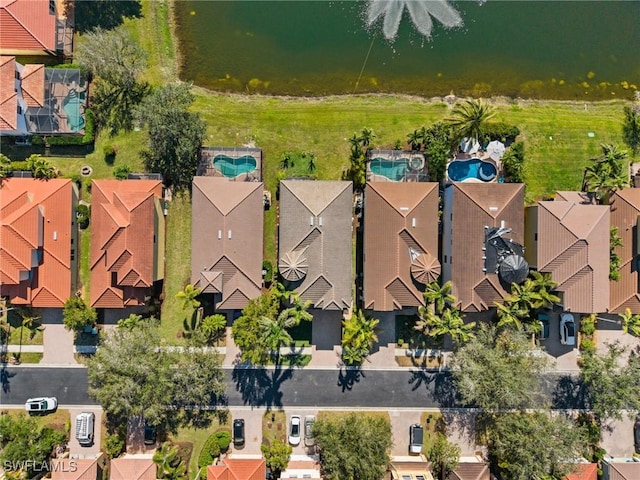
x=289, y=387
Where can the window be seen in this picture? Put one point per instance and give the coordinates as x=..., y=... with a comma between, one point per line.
x=73, y=254
x=445, y=259
x=154, y=239
x=19, y=110
x=72, y=241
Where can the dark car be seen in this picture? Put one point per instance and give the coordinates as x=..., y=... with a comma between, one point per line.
x=543, y=321
x=150, y=434
x=238, y=432
x=636, y=435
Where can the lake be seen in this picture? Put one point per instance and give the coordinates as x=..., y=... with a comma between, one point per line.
x=533, y=49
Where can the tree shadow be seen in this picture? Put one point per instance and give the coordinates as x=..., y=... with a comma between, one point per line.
x=5, y=378
x=440, y=385
x=105, y=14
x=569, y=392
x=349, y=376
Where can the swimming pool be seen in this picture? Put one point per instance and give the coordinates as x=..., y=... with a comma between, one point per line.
x=473, y=169
x=232, y=167
x=394, y=170
x=71, y=105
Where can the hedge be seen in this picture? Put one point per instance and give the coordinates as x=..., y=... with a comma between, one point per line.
x=500, y=131
x=210, y=451
x=87, y=138
x=82, y=212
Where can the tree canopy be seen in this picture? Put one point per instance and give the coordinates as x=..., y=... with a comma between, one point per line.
x=631, y=127
x=77, y=314
x=276, y=456
x=130, y=375
x=498, y=370
x=175, y=134
x=354, y=446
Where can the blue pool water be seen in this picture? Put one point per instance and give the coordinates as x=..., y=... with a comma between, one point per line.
x=392, y=169
x=232, y=167
x=71, y=106
x=461, y=170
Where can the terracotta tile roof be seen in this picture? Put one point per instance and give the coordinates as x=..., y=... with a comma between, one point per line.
x=573, y=246
x=8, y=95
x=74, y=469
x=400, y=223
x=470, y=471
x=625, y=211
x=27, y=25
x=130, y=468
x=226, y=253
x=585, y=471
x=127, y=248
x=316, y=229
x=238, y=469
x=36, y=216
x=33, y=85
x=468, y=209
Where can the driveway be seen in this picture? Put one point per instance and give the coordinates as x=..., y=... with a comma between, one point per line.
x=617, y=437
x=57, y=340
x=75, y=449
x=565, y=357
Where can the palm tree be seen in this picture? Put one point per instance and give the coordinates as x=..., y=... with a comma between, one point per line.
x=607, y=174
x=188, y=297
x=525, y=296
x=468, y=119
x=439, y=296
x=359, y=335
x=312, y=163
x=28, y=320
x=284, y=163
x=542, y=284
x=414, y=139
x=170, y=465
x=510, y=315
x=275, y=334
x=131, y=322
x=449, y=322
x=40, y=167
x=367, y=137
x=630, y=322
x=214, y=325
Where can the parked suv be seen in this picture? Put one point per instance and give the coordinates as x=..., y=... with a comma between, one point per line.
x=41, y=405
x=84, y=428
x=238, y=432
x=415, y=438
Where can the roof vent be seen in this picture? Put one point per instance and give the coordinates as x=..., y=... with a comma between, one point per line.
x=413, y=222
x=493, y=209
x=311, y=221
x=55, y=235
x=320, y=221
x=219, y=234
x=229, y=234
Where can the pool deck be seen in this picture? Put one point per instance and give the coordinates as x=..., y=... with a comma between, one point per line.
x=207, y=154
x=412, y=174
x=480, y=155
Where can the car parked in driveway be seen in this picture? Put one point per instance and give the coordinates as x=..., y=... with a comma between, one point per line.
x=567, y=329
x=238, y=432
x=309, y=440
x=543, y=322
x=294, y=430
x=150, y=434
x=416, y=433
x=636, y=435
x=41, y=405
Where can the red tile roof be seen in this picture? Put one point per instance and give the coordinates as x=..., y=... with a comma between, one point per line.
x=400, y=243
x=238, y=469
x=584, y=471
x=74, y=469
x=124, y=241
x=36, y=216
x=131, y=468
x=8, y=95
x=27, y=25
x=33, y=85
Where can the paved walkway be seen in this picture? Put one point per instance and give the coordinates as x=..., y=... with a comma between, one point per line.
x=57, y=340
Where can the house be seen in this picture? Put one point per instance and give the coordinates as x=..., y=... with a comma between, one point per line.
x=127, y=241
x=569, y=239
x=315, y=241
x=35, y=100
x=78, y=468
x=584, y=471
x=34, y=27
x=625, y=216
x=302, y=466
x=131, y=467
x=238, y=469
x=409, y=468
x=226, y=240
x=483, y=230
x=620, y=468
x=38, y=241
x=470, y=468
x=400, y=243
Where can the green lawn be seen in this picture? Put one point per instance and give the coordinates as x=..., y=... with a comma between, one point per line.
x=29, y=337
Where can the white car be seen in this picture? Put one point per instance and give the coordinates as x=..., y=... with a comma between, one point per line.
x=567, y=329
x=294, y=430
x=41, y=405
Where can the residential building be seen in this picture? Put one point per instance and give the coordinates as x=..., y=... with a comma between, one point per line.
x=470, y=468
x=34, y=27
x=620, y=468
x=410, y=468
x=238, y=469
x=226, y=240
x=38, y=241
x=35, y=100
x=78, y=468
x=127, y=241
x=132, y=467
x=584, y=471
x=400, y=243
x=315, y=241
x=569, y=239
x=625, y=216
x=483, y=232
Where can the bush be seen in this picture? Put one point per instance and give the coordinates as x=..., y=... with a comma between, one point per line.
x=268, y=268
x=500, y=131
x=82, y=213
x=210, y=451
x=587, y=346
x=20, y=166
x=114, y=445
x=588, y=325
x=109, y=154
x=121, y=172
x=513, y=163
x=224, y=440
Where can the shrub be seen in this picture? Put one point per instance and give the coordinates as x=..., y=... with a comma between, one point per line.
x=224, y=439
x=121, y=172
x=268, y=268
x=77, y=314
x=513, y=163
x=587, y=346
x=114, y=445
x=500, y=131
x=20, y=166
x=82, y=213
x=588, y=325
x=210, y=451
x=109, y=154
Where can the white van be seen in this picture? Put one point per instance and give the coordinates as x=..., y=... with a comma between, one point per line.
x=84, y=428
